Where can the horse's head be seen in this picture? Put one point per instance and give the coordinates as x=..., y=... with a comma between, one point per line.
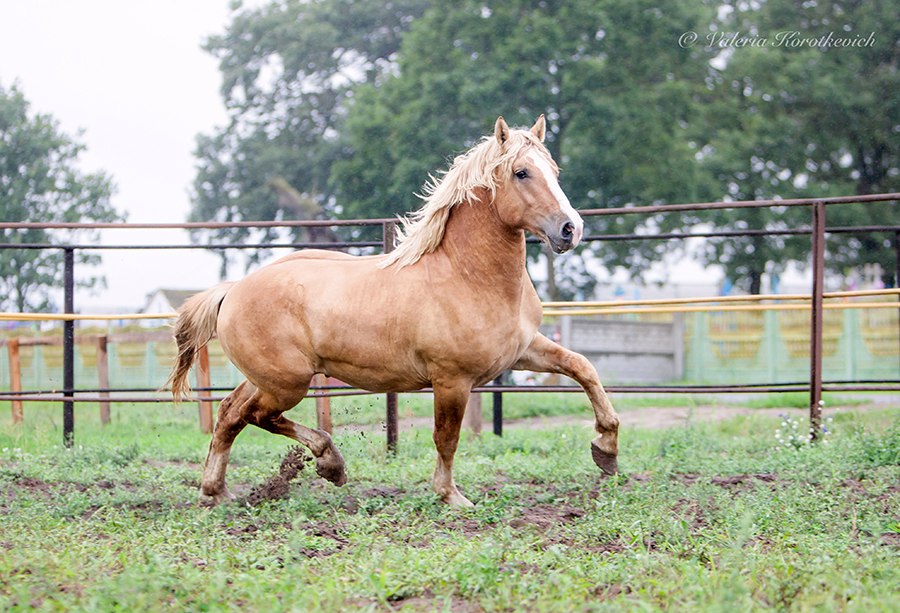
x=528, y=194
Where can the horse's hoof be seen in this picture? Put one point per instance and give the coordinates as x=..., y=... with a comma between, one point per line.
x=607, y=462
x=211, y=500
x=331, y=469
x=458, y=501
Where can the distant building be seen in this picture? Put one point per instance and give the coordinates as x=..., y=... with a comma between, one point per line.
x=164, y=301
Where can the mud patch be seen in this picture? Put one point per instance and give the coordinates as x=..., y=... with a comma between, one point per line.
x=743, y=482
x=611, y=591
x=692, y=512
x=685, y=478
x=194, y=466
x=279, y=486
x=469, y=527
x=593, y=545
x=545, y=516
x=382, y=491
x=32, y=484
x=427, y=601
x=327, y=531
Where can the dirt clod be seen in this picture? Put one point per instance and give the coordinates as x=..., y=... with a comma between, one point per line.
x=279, y=486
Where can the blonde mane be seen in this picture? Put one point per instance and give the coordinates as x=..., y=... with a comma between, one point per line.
x=479, y=167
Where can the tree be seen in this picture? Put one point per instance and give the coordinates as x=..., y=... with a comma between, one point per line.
x=344, y=111
x=40, y=182
x=289, y=69
x=800, y=116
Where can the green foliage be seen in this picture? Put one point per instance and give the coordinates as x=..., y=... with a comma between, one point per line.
x=804, y=121
x=40, y=182
x=289, y=69
x=354, y=108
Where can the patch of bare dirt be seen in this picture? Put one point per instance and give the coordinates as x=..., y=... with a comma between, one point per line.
x=427, y=601
x=545, y=516
x=611, y=591
x=382, y=491
x=744, y=481
x=195, y=466
x=691, y=510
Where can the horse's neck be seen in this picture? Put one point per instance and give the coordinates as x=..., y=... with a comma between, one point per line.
x=481, y=248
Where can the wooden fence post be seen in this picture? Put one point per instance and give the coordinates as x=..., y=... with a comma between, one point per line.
x=15, y=378
x=103, y=376
x=472, y=418
x=203, y=381
x=323, y=406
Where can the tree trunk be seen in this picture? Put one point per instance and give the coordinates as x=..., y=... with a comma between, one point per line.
x=552, y=289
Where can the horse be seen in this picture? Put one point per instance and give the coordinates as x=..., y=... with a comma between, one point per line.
x=451, y=307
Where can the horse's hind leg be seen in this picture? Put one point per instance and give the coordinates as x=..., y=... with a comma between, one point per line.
x=249, y=405
x=329, y=462
x=229, y=424
x=543, y=355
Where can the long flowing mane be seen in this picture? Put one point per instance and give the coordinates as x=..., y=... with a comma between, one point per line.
x=479, y=167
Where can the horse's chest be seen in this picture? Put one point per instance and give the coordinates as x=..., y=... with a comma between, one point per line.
x=495, y=344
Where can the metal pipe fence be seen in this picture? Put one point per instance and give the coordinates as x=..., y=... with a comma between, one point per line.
x=817, y=230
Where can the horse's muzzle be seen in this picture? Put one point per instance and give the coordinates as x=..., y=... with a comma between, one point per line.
x=564, y=239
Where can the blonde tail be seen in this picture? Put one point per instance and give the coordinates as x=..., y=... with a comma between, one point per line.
x=194, y=328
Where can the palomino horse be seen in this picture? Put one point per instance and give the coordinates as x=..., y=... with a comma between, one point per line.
x=452, y=307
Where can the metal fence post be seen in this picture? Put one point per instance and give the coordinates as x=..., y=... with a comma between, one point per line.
x=816, y=317
x=68, y=403
x=389, y=237
x=498, y=407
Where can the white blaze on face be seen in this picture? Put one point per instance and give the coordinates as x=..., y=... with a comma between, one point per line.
x=565, y=206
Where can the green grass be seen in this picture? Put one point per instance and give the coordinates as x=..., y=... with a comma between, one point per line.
x=800, y=400
x=708, y=517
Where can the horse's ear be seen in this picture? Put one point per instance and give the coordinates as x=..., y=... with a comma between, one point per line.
x=501, y=131
x=539, y=128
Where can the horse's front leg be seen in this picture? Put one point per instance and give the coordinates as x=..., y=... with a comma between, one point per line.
x=449, y=407
x=543, y=355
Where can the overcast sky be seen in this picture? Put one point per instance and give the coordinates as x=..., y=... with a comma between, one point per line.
x=133, y=77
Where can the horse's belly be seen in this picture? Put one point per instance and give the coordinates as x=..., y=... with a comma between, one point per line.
x=375, y=378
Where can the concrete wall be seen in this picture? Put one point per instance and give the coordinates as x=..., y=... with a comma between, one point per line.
x=625, y=351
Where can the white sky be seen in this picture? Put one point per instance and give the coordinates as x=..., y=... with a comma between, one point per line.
x=133, y=77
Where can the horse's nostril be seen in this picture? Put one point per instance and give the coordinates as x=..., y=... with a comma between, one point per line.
x=567, y=230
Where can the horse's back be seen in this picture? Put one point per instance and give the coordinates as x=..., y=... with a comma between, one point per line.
x=323, y=254
x=320, y=311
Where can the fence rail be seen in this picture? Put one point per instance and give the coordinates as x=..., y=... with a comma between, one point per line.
x=817, y=230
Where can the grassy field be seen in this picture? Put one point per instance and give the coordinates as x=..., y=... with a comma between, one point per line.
x=709, y=517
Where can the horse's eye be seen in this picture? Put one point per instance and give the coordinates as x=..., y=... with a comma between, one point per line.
x=521, y=174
